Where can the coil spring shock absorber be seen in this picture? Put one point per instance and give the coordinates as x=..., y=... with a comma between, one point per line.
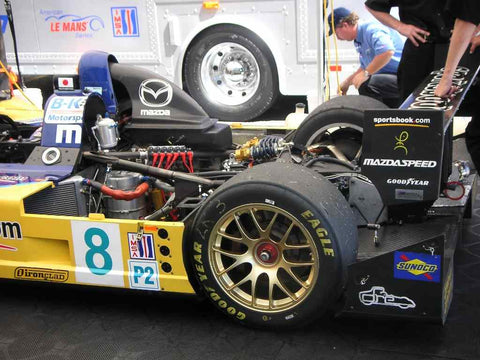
x=266, y=148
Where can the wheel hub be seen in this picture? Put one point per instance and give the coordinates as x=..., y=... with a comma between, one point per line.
x=267, y=253
x=234, y=71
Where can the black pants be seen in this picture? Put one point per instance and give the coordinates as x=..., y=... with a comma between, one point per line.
x=382, y=87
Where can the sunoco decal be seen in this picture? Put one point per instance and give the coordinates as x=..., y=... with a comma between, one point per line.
x=417, y=266
x=378, y=296
x=38, y=274
x=81, y=26
x=400, y=163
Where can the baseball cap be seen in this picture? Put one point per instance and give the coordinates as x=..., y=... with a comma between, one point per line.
x=338, y=14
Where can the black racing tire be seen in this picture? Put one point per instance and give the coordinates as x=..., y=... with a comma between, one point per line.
x=345, y=111
x=321, y=224
x=223, y=95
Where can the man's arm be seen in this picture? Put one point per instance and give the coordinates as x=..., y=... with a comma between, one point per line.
x=376, y=64
x=348, y=81
x=463, y=32
x=415, y=34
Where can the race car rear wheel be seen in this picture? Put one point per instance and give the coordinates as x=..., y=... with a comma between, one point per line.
x=339, y=122
x=231, y=73
x=270, y=247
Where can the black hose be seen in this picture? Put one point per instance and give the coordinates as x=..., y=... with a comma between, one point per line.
x=329, y=159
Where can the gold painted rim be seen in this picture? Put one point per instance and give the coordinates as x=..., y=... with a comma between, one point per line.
x=263, y=257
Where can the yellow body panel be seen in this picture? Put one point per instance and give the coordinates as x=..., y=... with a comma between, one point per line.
x=91, y=251
x=20, y=110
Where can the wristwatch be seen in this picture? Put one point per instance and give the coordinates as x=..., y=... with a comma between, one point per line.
x=366, y=73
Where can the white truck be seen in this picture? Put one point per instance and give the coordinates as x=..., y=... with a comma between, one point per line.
x=232, y=56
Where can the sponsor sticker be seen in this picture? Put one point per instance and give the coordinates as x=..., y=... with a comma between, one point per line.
x=408, y=182
x=10, y=230
x=65, y=83
x=400, y=163
x=400, y=142
x=65, y=110
x=26, y=273
x=143, y=275
x=125, y=21
x=141, y=248
x=409, y=194
x=417, y=266
x=79, y=25
x=155, y=93
x=378, y=296
x=402, y=121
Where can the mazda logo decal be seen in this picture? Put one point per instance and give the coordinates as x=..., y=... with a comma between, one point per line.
x=155, y=93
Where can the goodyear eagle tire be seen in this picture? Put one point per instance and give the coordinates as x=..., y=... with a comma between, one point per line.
x=270, y=247
x=344, y=114
x=230, y=72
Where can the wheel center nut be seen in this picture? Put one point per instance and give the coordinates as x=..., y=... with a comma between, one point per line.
x=234, y=71
x=267, y=253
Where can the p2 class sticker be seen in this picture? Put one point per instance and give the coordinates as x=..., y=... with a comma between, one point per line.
x=378, y=296
x=98, y=253
x=143, y=275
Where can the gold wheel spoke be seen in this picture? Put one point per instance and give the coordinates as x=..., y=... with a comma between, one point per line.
x=270, y=225
x=230, y=237
x=241, y=229
x=234, y=265
x=241, y=282
x=286, y=235
x=300, y=263
x=253, y=287
x=228, y=253
x=255, y=222
x=297, y=247
x=281, y=287
x=295, y=277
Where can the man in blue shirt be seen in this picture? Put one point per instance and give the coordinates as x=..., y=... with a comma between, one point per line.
x=379, y=49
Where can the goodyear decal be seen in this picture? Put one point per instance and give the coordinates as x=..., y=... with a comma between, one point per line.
x=417, y=266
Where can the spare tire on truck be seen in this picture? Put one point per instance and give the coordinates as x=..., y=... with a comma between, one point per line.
x=270, y=247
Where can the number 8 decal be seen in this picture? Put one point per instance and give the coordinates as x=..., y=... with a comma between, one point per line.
x=98, y=249
x=98, y=253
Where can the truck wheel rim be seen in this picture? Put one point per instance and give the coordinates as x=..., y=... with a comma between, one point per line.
x=263, y=258
x=229, y=74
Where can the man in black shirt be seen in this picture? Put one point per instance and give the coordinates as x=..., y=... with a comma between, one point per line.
x=426, y=24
